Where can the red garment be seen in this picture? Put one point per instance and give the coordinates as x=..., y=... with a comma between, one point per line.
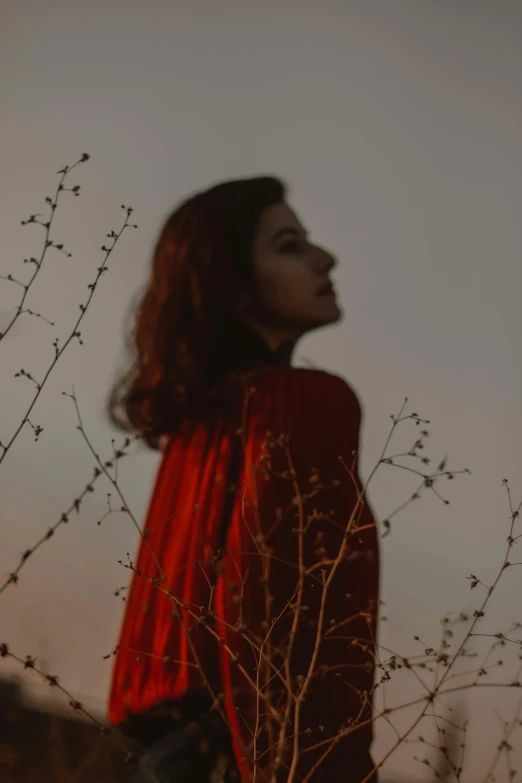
x=321, y=415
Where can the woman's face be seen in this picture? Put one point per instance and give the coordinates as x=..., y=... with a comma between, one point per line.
x=290, y=273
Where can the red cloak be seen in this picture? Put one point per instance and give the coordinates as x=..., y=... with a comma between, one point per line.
x=171, y=591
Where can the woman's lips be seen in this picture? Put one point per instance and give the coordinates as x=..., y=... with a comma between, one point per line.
x=327, y=291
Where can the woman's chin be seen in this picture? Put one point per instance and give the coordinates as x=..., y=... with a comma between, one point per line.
x=333, y=313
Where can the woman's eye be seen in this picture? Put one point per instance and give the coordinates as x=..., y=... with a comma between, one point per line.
x=293, y=245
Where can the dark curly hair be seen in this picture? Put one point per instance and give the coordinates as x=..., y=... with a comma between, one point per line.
x=184, y=316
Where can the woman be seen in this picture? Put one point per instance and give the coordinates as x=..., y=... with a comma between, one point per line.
x=248, y=640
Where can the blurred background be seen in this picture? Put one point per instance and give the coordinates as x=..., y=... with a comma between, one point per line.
x=397, y=127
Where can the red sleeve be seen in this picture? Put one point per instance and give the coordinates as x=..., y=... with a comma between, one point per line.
x=321, y=416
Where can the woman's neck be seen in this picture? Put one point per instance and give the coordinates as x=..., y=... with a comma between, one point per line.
x=243, y=345
x=277, y=341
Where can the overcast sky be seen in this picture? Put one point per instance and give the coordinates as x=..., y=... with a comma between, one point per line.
x=397, y=126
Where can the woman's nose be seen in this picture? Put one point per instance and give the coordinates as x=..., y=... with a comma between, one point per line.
x=324, y=263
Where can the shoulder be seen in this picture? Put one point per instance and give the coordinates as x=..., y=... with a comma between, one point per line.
x=304, y=377
x=301, y=384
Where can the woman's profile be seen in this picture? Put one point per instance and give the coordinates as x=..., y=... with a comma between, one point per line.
x=247, y=647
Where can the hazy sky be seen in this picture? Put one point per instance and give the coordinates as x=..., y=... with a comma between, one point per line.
x=397, y=126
